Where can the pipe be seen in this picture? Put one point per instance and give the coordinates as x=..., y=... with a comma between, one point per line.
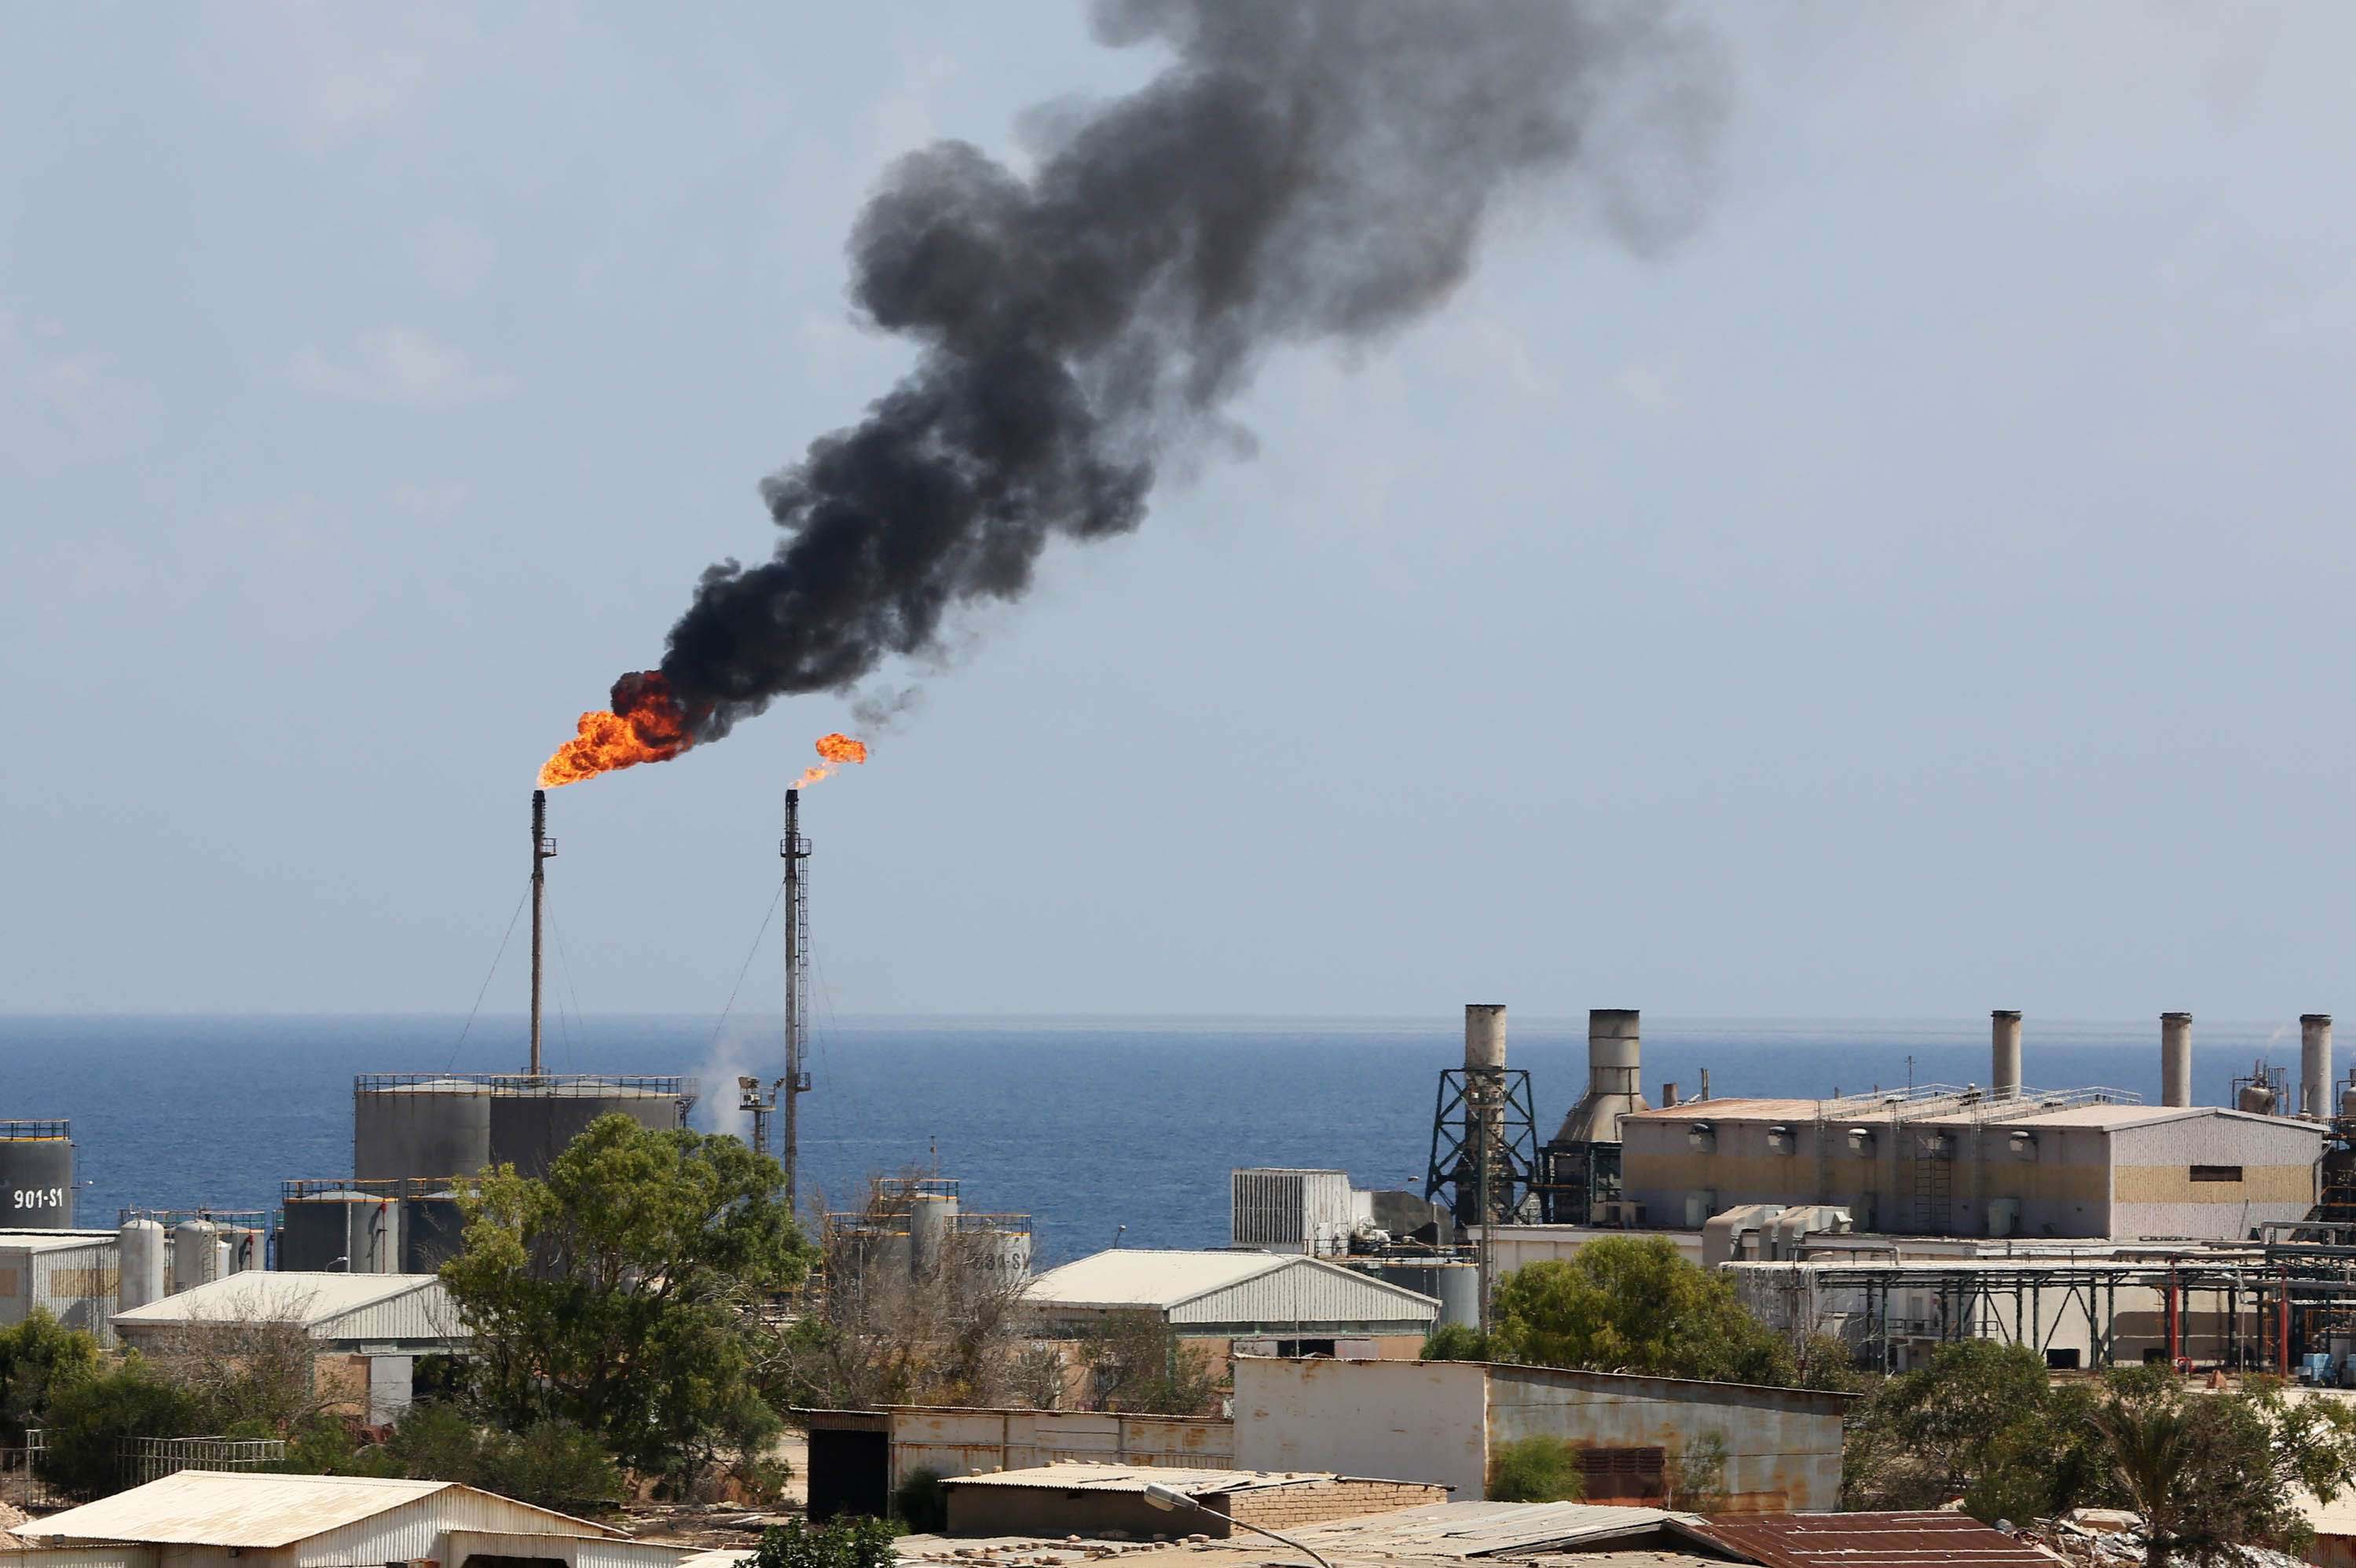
x=2004, y=1072
x=2315, y=1065
x=540, y=852
x=2175, y=1058
x=1668, y=1094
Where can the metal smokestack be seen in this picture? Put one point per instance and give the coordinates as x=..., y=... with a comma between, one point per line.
x=543, y=849
x=1484, y=1034
x=2315, y=1065
x=2175, y=1058
x=794, y=849
x=2004, y=1053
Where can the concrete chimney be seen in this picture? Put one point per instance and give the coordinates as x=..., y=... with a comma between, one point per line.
x=2175, y=1058
x=2004, y=1070
x=2315, y=1065
x=1484, y=1034
x=1668, y=1094
x=1614, y=1065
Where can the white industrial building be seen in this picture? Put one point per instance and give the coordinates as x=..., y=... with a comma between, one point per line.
x=203, y=1518
x=1229, y=1295
x=71, y=1275
x=370, y=1329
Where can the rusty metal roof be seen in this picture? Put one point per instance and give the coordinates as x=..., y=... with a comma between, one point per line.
x=1863, y=1540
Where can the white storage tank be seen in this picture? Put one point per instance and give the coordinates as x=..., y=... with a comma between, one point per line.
x=198, y=1255
x=140, y=1246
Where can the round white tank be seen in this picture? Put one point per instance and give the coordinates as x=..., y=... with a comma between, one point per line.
x=931, y=1216
x=1484, y=1034
x=197, y=1254
x=1006, y=1255
x=141, y=1245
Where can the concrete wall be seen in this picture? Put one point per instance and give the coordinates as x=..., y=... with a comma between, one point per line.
x=1440, y=1421
x=1517, y=1245
x=972, y=1442
x=1782, y=1446
x=1406, y=1421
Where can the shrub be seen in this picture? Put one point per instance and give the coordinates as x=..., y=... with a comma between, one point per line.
x=1536, y=1470
x=90, y=1419
x=1456, y=1342
x=921, y=1503
x=838, y=1543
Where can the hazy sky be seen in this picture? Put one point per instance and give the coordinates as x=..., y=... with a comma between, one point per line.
x=1926, y=587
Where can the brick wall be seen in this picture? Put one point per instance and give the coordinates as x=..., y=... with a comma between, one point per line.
x=1314, y=1502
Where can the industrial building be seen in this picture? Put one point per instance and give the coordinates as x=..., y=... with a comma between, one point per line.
x=860, y=1458
x=1440, y=1420
x=73, y=1275
x=206, y=1518
x=1308, y=1304
x=2002, y=1161
x=370, y=1330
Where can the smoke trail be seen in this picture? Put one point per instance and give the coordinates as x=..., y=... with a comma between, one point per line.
x=1301, y=171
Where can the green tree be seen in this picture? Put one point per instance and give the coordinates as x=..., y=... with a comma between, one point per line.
x=1537, y=1470
x=89, y=1419
x=1626, y=1303
x=37, y=1356
x=1456, y=1342
x=1980, y=1421
x=2212, y=1473
x=623, y=1293
x=1137, y=1364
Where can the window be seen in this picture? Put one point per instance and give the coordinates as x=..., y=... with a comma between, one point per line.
x=2216, y=1172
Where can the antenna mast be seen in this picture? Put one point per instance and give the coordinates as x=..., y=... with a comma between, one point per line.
x=794, y=850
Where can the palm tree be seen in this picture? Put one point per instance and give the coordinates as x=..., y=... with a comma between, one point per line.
x=2153, y=1442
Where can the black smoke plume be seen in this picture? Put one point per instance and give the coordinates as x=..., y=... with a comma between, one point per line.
x=1301, y=171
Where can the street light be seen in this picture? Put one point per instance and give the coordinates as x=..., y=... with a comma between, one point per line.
x=1168, y=1499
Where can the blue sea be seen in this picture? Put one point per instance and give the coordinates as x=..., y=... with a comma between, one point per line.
x=1099, y=1128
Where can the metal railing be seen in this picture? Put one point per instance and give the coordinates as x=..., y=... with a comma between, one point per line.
x=549, y=1085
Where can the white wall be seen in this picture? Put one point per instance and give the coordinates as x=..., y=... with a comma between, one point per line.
x=1391, y=1421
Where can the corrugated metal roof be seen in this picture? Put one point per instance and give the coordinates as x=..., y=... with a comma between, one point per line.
x=332, y=1305
x=1133, y=1478
x=1864, y=1540
x=248, y=1509
x=2107, y=1117
x=1140, y=1277
x=1481, y=1529
x=1273, y=1287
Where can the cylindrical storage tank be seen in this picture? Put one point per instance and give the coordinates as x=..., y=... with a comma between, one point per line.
x=2348, y=1102
x=433, y=1231
x=374, y=1230
x=533, y=1120
x=311, y=1234
x=931, y=1216
x=1484, y=1034
x=1459, y=1290
x=429, y=1129
x=2175, y=1058
x=1006, y=1255
x=241, y=1247
x=890, y=1257
x=2314, y=1064
x=140, y=1246
x=2003, y=1054
x=37, y=1176
x=196, y=1254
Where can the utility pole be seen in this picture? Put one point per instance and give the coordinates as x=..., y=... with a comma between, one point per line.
x=794, y=849
x=543, y=850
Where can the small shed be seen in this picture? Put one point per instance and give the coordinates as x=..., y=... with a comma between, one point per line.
x=203, y=1518
x=370, y=1329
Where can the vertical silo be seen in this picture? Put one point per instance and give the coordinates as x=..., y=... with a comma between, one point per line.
x=932, y=1217
x=37, y=1176
x=533, y=1119
x=197, y=1256
x=432, y=1231
x=140, y=1257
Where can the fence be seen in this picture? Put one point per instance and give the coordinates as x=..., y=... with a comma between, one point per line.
x=146, y=1459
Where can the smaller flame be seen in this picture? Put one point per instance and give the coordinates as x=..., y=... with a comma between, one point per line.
x=833, y=750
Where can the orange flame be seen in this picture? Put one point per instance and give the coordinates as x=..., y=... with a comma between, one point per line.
x=646, y=723
x=835, y=750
